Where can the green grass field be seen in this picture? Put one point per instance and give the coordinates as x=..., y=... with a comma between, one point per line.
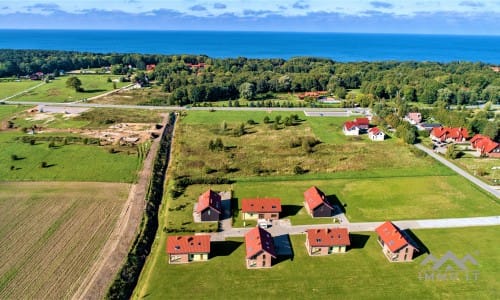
x=56, y=90
x=10, y=88
x=51, y=233
x=483, y=168
x=265, y=151
x=6, y=111
x=361, y=273
x=72, y=162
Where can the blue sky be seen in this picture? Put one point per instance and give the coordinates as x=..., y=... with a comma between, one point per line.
x=385, y=16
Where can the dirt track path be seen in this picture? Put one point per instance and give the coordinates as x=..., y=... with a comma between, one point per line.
x=114, y=252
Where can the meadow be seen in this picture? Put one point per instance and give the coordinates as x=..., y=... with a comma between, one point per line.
x=71, y=162
x=51, y=233
x=264, y=151
x=12, y=87
x=361, y=273
x=56, y=90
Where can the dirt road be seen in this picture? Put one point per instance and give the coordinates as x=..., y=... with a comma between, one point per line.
x=115, y=251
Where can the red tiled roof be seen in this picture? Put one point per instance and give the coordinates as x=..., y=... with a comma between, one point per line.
x=314, y=198
x=188, y=244
x=391, y=236
x=484, y=143
x=362, y=121
x=350, y=125
x=374, y=130
x=257, y=240
x=328, y=237
x=415, y=116
x=456, y=133
x=261, y=205
x=209, y=199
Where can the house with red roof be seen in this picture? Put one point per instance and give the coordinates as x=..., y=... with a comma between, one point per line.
x=350, y=128
x=414, y=118
x=363, y=123
x=449, y=134
x=485, y=146
x=396, y=244
x=327, y=241
x=261, y=208
x=150, y=67
x=260, y=250
x=209, y=206
x=188, y=248
x=375, y=134
x=317, y=204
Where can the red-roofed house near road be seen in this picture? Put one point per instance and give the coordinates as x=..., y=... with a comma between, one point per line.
x=188, y=248
x=363, y=123
x=375, y=134
x=396, y=245
x=327, y=241
x=485, y=146
x=449, y=134
x=414, y=118
x=261, y=208
x=316, y=203
x=259, y=248
x=209, y=206
x=350, y=128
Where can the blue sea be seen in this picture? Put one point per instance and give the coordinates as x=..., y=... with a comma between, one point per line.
x=345, y=47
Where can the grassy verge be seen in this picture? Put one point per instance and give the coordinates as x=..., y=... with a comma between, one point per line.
x=10, y=88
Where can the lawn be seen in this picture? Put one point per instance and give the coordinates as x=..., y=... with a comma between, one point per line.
x=51, y=233
x=146, y=96
x=361, y=273
x=7, y=111
x=71, y=162
x=10, y=88
x=56, y=90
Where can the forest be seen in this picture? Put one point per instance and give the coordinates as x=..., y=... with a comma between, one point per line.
x=191, y=79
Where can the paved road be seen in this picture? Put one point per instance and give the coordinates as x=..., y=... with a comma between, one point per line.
x=338, y=111
x=280, y=228
x=467, y=176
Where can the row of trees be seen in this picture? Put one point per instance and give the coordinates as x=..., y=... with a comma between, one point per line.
x=232, y=78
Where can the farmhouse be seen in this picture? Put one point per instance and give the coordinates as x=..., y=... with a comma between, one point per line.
x=363, y=123
x=327, y=241
x=189, y=248
x=375, y=134
x=485, y=146
x=449, y=134
x=350, y=128
x=414, y=118
x=260, y=249
x=261, y=208
x=209, y=206
x=396, y=245
x=316, y=203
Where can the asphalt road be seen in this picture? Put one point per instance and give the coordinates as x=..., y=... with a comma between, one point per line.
x=461, y=172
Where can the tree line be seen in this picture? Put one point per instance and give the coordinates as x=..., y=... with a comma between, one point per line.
x=191, y=79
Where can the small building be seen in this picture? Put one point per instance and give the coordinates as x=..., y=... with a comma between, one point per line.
x=449, y=134
x=260, y=250
x=317, y=204
x=261, y=208
x=209, y=206
x=363, y=123
x=396, y=245
x=350, y=128
x=414, y=118
x=428, y=126
x=188, y=248
x=375, y=134
x=484, y=146
x=150, y=67
x=327, y=241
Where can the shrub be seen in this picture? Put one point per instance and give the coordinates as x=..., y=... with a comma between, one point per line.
x=14, y=157
x=44, y=164
x=298, y=170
